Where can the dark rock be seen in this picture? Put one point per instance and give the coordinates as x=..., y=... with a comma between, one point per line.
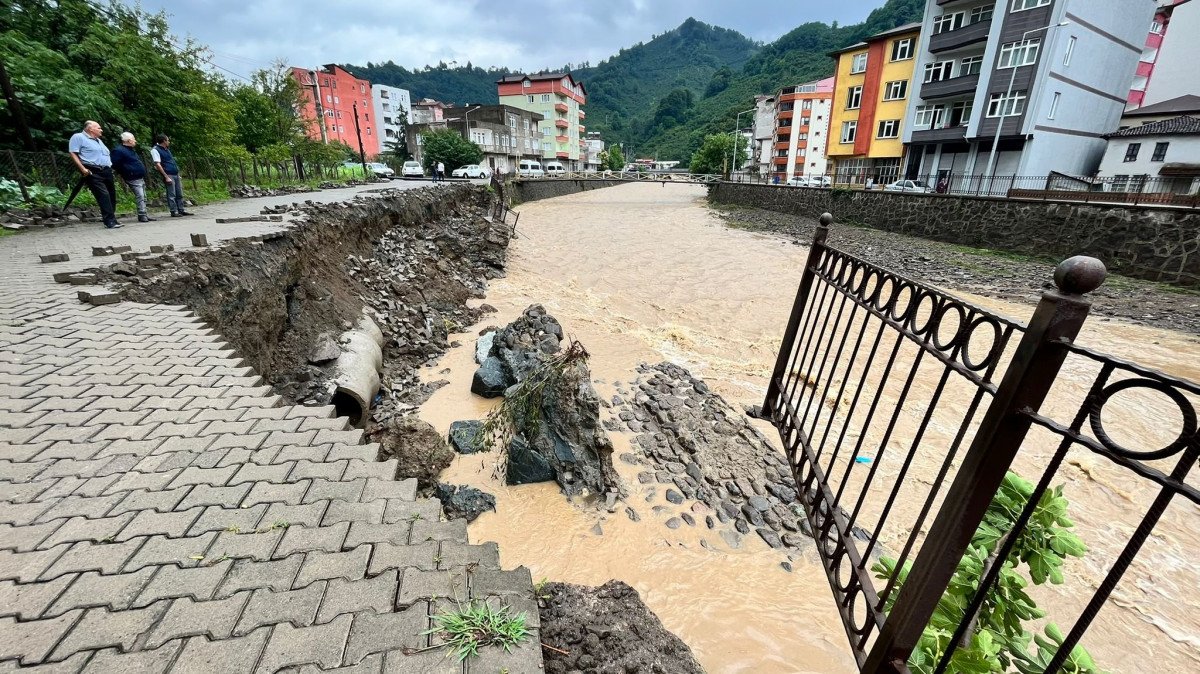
x=419, y=449
x=633, y=514
x=741, y=526
x=464, y=501
x=691, y=521
x=674, y=496
x=526, y=466
x=674, y=523
x=464, y=436
x=709, y=522
x=490, y=380
x=759, y=503
x=787, y=566
x=782, y=492
x=752, y=514
x=771, y=538
x=645, y=477
x=794, y=540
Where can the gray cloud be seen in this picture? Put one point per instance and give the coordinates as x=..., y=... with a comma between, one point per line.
x=248, y=34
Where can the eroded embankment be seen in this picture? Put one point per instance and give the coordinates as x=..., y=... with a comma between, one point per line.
x=410, y=258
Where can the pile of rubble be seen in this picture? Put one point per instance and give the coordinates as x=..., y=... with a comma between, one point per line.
x=253, y=191
x=46, y=216
x=717, y=468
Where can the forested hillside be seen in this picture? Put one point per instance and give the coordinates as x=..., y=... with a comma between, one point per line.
x=663, y=96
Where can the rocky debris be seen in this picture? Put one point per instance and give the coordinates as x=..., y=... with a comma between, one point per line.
x=419, y=448
x=47, y=215
x=254, y=191
x=483, y=345
x=98, y=297
x=464, y=436
x=523, y=344
x=54, y=257
x=490, y=379
x=325, y=350
x=1012, y=278
x=461, y=501
x=524, y=465
x=707, y=453
x=606, y=629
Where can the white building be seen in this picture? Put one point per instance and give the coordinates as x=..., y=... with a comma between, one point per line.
x=1161, y=156
x=1177, y=57
x=764, y=132
x=595, y=145
x=1047, y=78
x=393, y=110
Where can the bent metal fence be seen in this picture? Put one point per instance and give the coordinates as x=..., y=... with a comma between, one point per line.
x=901, y=409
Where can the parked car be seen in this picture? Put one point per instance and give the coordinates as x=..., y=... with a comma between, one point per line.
x=412, y=169
x=809, y=181
x=469, y=171
x=381, y=170
x=907, y=186
x=530, y=169
x=554, y=168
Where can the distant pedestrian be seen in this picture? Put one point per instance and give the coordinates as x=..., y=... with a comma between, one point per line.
x=440, y=172
x=92, y=159
x=128, y=165
x=164, y=161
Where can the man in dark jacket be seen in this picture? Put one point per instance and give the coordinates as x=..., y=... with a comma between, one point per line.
x=128, y=165
x=164, y=161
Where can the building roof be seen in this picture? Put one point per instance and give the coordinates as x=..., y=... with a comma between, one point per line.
x=906, y=28
x=1182, y=125
x=1180, y=105
x=509, y=79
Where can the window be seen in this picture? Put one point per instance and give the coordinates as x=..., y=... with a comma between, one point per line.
x=854, y=98
x=785, y=122
x=960, y=114
x=1131, y=151
x=936, y=72
x=525, y=120
x=849, y=131
x=1160, y=152
x=324, y=81
x=947, y=22
x=341, y=129
x=1054, y=105
x=531, y=99
x=981, y=14
x=889, y=128
x=1016, y=54
x=902, y=50
x=1070, y=51
x=1000, y=105
x=1022, y=5
x=1156, y=28
x=806, y=105
x=362, y=88
x=929, y=116
x=545, y=98
x=778, y=153
x=1149, y=55
x=894, y=91
x=335, y=100
x=526, y=84
x=1139, y=83
x=328, y=98
x=970, y=65
x=512, y=121
x=859, y=63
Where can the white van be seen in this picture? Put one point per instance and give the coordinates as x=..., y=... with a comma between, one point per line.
x=554, y=168
x=530, y=168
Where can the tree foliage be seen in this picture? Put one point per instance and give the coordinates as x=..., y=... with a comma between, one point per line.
x=715, y=154
x=448, y=147
x=999, y=640
x=613, y=159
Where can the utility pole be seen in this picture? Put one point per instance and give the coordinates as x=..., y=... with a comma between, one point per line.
x=362, y=154
x=10, y=95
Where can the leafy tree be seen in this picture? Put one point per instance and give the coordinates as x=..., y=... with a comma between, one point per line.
x=266, y=111
x=719, y=82
x=446, y=146
x=673, y=108
x=998, y=639
x=613, y=159
x=714, y=155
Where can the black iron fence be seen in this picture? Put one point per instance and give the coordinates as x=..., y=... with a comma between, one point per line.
x=902, y=410
x=1181, y=191
x=56, y=170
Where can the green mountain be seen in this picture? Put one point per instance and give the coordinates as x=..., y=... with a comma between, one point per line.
x=663, y=96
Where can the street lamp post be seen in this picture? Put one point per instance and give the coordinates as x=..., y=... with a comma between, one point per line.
x=737, y=125
x=991, y=172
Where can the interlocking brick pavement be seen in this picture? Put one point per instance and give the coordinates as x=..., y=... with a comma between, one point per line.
x=161, y=510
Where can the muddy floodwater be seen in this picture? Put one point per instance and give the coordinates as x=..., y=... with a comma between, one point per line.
x=645, y=273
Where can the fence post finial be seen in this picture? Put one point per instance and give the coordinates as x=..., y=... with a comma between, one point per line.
x=1079, y=275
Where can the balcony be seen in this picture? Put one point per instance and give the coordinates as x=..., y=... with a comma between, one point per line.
x=939, y=135
x=561, y=123
x=560, y=107
x=954, y=86
x=562, y=139
x=563, y=155
x=581, y=115
x=955, y=39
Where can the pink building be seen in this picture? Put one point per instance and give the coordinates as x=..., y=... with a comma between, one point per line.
x=1151, y=51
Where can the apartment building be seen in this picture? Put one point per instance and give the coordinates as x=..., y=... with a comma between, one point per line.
x=595, y=146
x=1170, y=66
x=428, y=111
x=870, y=97
x=1043, y=81
x=764, y=135
x=801, y=129
x=506, y=134
x=332, y=98
x=393, y=111
x=559, y=98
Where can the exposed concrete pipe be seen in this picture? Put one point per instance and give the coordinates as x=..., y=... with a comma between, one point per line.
x=357, y=370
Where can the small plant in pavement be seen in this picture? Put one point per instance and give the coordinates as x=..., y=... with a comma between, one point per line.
x=476, y=625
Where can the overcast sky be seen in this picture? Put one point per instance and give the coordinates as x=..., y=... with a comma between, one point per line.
x=528, y=34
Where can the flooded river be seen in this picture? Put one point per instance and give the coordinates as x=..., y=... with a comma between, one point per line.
x=645, y=273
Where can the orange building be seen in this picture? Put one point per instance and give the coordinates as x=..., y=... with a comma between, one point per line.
x=801, y=129
x=334, y=92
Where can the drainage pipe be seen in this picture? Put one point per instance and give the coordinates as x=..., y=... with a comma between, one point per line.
x=357, y=370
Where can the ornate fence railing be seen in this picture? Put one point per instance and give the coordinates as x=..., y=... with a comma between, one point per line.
x=902, y=408
x=630, y=176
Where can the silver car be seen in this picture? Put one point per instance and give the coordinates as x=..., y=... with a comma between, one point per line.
x=908, y=186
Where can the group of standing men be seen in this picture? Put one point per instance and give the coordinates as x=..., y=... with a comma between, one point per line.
x=97, y=165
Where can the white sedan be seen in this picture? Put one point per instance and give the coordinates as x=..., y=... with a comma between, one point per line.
x=809, y=181
x=907, y=186
x=469, y=171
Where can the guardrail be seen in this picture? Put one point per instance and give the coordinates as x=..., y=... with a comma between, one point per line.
x=631, y=176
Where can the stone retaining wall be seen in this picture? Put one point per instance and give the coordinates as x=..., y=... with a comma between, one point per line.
x=533, y=190
x=1156, y=243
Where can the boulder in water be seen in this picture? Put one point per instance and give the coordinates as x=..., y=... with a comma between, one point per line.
x=491, y=379
x=461, y=501
x=526, y=466
x=464, y=437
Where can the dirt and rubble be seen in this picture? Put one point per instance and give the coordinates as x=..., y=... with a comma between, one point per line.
x=606, y=629
x=989, y=273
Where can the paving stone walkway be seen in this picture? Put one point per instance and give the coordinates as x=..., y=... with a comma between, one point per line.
x=162, y=510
